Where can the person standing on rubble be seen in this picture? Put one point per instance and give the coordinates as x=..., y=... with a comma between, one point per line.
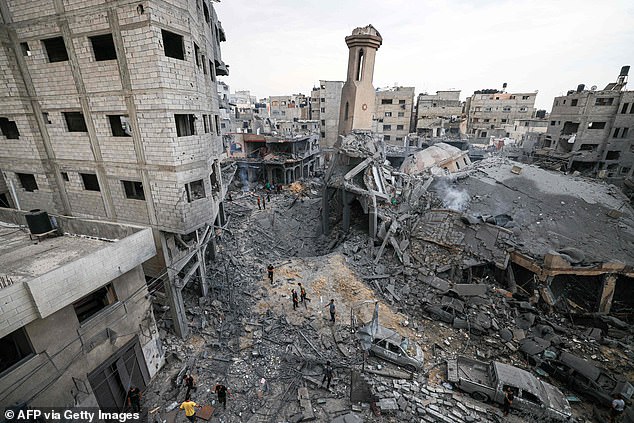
x=327, y=375
x=331, y=307
x=270, y=271
x=618, y=406
x=259, y=205
x=263, y=202
x=222, y=391
x=268, y=196
x=508, y=400
x=302, y=295
x=295, y=300
x=134, y=398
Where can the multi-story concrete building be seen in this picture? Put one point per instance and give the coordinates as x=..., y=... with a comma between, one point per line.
x=393, y=114
x=593, y=130
x=110, y=111
x=439, y=115
x=324, y=108
x=491, y=113
x=76, y=324
x=289, y=107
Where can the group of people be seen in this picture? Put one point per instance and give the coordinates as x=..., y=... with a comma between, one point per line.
x=190, y=406
x=266, y=197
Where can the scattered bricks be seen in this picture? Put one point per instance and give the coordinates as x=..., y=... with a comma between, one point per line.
x=402, y=403
x=387, y=405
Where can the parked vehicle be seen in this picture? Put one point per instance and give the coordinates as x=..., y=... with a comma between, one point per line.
x=391, y=346
x=453, y=311
x=584, y=377
x=488, y=381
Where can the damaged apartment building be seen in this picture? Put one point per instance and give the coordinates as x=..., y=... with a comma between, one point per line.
x=440, y=115
x=393, y=113
x=76, y=321
x=592, y=131
x=278, y=159
x=324, y=108
x=110, y=111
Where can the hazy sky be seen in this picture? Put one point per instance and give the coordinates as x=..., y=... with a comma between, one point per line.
x=278, y=47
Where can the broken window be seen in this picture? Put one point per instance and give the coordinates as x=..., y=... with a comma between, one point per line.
x=323, y=134
x=525, y=97
x=4, y=203
x=624, y=108
x=45, y=117
x=400, y=127
x=387, y=127
x=386, y=101
x=213, y=178
x=103, y=47
x=14, y=348
x=173, y=45
x=399, y=138
x=613, y=155
x=531, y=397
x=55, y=49
x=401, y=102
x=483, y=134
x=28, y=182
x=120, y=125
x=26, y=51
x=205, y=124
x=624, y=132
x=574, y=102
x=588, y=147
x=505, y=120
x=596, y=125
x=360, y=64
x=94, y=302
x=616, y=133
x=65, y=176
x=204, y=63
x=401, y=114
x=133, y=190
x=386, y=137
x=9, y=129
x=75, y=122
x=552, y=123
x=388, y=114
x=185, y=125
x=197, y=54
x=217, y=119
x=570, y=128
x=195, y=190
x=91, y=183
x=604, y=101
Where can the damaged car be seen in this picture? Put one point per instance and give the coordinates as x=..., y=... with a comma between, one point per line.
x=391, y=346
x=582, y=376
x=453, y=311
x=488, y=382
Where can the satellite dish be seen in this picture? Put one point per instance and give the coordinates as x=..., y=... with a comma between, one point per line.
x=593, y=88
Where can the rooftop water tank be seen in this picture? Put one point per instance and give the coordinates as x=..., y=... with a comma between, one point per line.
x=38, y=222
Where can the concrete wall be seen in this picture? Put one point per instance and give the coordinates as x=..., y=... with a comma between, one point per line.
x=390, y=123
x=488, y=112
x=67, y=350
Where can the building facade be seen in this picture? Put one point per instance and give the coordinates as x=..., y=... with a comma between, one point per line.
x=289, y=107
x=491, y=113
x=439, y=115
x=357, y=95
x=110, y=110
x=76, y=323
x=324, y=108
x=593, y=130
x=393, y=115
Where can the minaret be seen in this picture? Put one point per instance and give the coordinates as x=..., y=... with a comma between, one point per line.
x=357, y=95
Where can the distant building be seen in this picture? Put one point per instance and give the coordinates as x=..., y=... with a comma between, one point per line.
x=439, y=115
x=393, y=113
x=491, y=113
x=593, y=131
x=76, y=322
x=288, y=107
x=325, y=101
x=274, y=158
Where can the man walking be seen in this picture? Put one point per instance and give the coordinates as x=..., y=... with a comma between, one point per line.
x=190, y=409
x=295, y=300
x=327, y=375
x=222, y=392
x=189, y=383
x=134, y=399
x=331, y=307
x=270, y=271
x=508, y=400
x=302, y=295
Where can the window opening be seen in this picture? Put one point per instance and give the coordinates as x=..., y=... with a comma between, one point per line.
x=347, y=113
x=65, y=176
x=75, y=122
x=173, y=45
x=94, y=302
x=120, y=125
x=55, y=49
x=360, y=64
x=195, y=190
x=28, y=182
x=91, y=183
x=103, y=47
x=185, y=125
x=9, y=129
x=26, y=51
x=133, y=190
x=14, y=348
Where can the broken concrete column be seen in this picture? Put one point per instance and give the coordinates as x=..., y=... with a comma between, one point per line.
x=325, y=211
x=607, y=293
x=346, y=210
x=373, y=218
